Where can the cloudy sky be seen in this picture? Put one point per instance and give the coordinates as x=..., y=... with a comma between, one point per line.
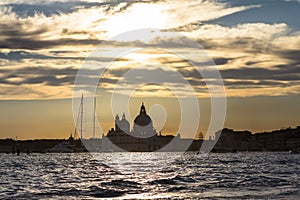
x=255, y=45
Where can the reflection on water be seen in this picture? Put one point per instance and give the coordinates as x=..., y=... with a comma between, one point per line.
x=125, y=176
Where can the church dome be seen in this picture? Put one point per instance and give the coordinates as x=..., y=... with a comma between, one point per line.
x=123, y=121
x=142, y=119
x=122, y=124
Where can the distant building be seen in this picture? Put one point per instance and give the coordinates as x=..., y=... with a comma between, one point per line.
x=142, y=137
x=231, y=141
x=278, y=140
x=293, y=140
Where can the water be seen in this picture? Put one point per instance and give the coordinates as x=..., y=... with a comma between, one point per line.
x=124, y=176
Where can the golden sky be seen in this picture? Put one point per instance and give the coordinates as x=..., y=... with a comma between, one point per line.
x=254, y=46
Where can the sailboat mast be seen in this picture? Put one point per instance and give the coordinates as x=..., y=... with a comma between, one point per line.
x=81, y=113
x=94, y=119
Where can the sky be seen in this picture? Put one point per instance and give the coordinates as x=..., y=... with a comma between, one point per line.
x=48, y=47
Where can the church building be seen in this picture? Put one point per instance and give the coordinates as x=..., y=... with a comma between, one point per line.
x=142, y=137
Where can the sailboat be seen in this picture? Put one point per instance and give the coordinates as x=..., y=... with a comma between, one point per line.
x=73, y=144
x=64, y=147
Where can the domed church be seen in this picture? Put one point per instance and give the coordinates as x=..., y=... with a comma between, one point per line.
x=142, y=137
x=143, y=126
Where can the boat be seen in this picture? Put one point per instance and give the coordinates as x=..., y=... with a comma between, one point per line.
x=69, y=146
x=63, y=147
x=72, y=145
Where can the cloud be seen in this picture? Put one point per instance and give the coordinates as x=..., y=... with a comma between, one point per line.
x=21, y=55
x=234, y=79
x=292, y=55
x=280, y=74
x=51, y=24
x=186, y=13
x=221, y=61
x=31, y=43
x=246, y=30
x=43, y=44
x=34, y=92
x=42, y=32
x=49, y=8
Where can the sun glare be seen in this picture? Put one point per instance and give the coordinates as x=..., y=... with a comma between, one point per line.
x=137, y=17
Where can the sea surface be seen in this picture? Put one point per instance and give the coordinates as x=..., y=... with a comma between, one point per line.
x=150, y=176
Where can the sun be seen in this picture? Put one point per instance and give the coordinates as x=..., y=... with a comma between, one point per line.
x=136, y=17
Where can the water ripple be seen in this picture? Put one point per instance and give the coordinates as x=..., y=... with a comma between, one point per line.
x=218, y=176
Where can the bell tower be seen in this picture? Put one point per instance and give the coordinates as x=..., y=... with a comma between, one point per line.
x=143, y=109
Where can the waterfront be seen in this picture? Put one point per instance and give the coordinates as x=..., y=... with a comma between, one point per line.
x=216, y=176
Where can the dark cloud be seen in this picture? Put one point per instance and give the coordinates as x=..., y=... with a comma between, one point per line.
x=36, y=44
x=66, y=76
x=20, y=55
x=233, y=78
x=49, y=80
x=51, y=76
x=221, y=61
x=277, y=73
x=34, y=75
x=42, y=71
x=16, y=30
x=14, y=36
x=255, y=62
x=256, y=84
x=292, y=55
x=274, y=75
x=283, y=74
